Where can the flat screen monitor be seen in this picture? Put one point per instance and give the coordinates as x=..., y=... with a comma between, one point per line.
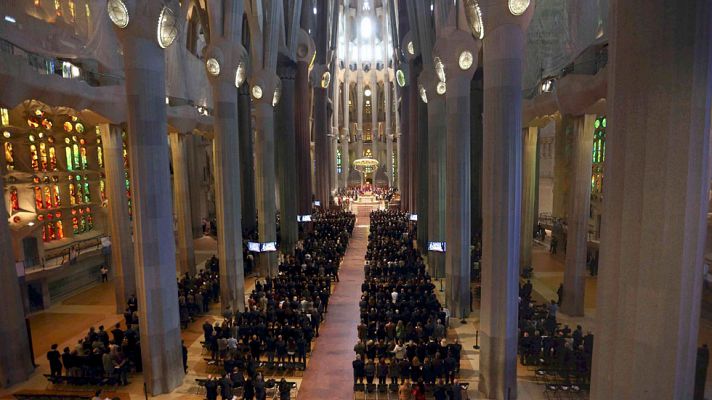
x=253, y=246
x=413, y=217
x=317, y=203
x=436, y=246
x=269, y=246
x=304, y=218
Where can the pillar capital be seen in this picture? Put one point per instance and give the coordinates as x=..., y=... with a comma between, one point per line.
x=265, y=87
x=226, y=61
x=496, y=13
x=134, y=19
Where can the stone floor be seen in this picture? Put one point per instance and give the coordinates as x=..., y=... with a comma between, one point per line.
x=329, y=373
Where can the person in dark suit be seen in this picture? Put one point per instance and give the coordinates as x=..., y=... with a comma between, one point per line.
x=359, y=372
x=211, y=388
x=226, y=387
x=185, y=357
x=55, y=363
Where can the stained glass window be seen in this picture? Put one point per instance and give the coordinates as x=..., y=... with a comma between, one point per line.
x=9, y=156
x=43, y=156
x=102, y=190
x=39, y=204
x=100, y=156
x=47, y=196
x=87, y=193
x=75, y=156
x=83, y=152
x=4, y=116
x=34, y=160
x=599, y=154
x=14, y=200
x=338, y=161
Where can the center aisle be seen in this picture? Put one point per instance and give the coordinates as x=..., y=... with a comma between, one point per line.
x=329, y=374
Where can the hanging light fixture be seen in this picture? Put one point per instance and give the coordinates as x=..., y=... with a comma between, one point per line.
x=118, y=13
x=167, y=29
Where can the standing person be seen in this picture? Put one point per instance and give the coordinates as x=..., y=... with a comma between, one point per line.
x=560, y=294
x=358, y=370
x=226, y=387
x=404, y=390
x=211, y=388
x=104, y=274
x=285, y=390
x=249, y=392
x=185, y=356
x=55, y=364
x=456, y=390
x=370, y=371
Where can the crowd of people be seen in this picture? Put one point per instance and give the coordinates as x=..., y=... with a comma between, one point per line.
x=544, y=342
x=403, y=329
x=283, y=313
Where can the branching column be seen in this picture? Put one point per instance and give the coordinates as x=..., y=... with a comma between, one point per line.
x=529, y=139
x=578, y=215
x=15, y=352
x=655, y=196
x=122, y=252
x=247, y=160
x=154, y=238
x=502, y=179
x=286, y=159
x=181, y=199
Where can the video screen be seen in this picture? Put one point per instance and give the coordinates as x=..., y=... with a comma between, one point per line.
x=317, y=203
x=413, y=217
x=269, y=246
x=253, y=246
x=436, y=246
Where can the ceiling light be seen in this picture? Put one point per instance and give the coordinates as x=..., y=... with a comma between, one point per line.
x=257, y=92
x=465, y=60
x=474, y=18
x=240, y=74
x=441, y=88
x=167, y=27
x=411, y=48
x=325, y=79
x=314, y=10
x=518, y=7
x=213, y=66
x=439, y=69
x=367, y=92
x=10, y=19
x=400, y=78
x=118, y=13
x=423, y=94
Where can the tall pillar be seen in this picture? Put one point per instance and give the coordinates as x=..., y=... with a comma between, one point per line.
x=374, y=125
x=419, y=126
x=226, y=155
x=345, y=136
x=656, y=191
x=265, y=176
x=561, y=165
x=387, y=132
x=321, y=139
x=335, y=133
x=181, y=199
x=458, y=136
x=578, y=215
x=359, y=115
x=436, y=170
x=198, y=186
x=247, y=160
x=303, y=110
x=286, y=159
x=15, y=353
x=476, y=154
x=154, y=238
x=122, y=252
x=529, y=161
x=501, y=207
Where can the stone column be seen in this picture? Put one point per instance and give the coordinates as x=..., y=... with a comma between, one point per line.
x=198, y=188
x=436, y=171
x=345, y=136
x=656, y=191
x=458, y=157
x=561, y=166
x=303, y=110
x=529, y=161
x=359, y=114
x=321, y=140
x=335, y=133
x=265, y=176
x=476, y=154
x=501, y=208
x=387, y=132
x=122, y=252
x=247, y=161
x=419, y=126
x=286, y=158
x=15, y=353
x=374, y=125
x=226, y=153
x=578, y=215
x=181, y=199
x=154, y=238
